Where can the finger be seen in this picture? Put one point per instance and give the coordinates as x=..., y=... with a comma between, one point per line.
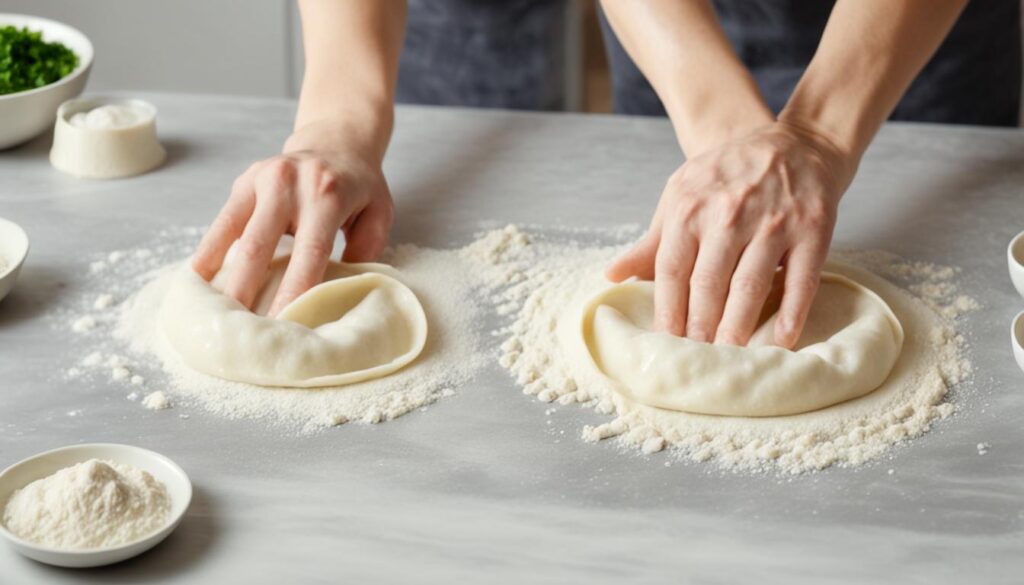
x=256, y=248
x=748, y=290
x=709, y=285
x=367, y=235
x=226, y=228
x=803, y=273
x=673, y=265
x=314, y=242
x=637, y=261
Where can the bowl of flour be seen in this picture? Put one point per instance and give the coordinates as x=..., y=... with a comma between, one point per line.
x=13, y=250
x=91, y=505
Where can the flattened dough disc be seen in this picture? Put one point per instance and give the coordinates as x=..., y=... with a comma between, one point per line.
x=361, y=323
x=848, y=347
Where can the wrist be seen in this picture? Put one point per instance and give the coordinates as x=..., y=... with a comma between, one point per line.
x=841, y=162
x=842, y=122
x=712, y=117
x=355, y=128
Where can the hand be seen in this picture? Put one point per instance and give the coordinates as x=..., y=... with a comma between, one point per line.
x=310, y=194
x=725, y=222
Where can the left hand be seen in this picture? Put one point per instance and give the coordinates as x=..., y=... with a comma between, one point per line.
x=725, y=222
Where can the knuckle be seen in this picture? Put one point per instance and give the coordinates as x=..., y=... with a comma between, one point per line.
x=707, y=281
x=317, y=166
x=328, y=182
x=239, y=183
x=676, y=180
x=731, y=212
x=225, y=223
x=805, y=286
x=687, y=211
x=749, y=286
x=316, y=247
x=253, y=247
x=278, y=172
x=817, y=214
x=671, y=271
x=775, y=224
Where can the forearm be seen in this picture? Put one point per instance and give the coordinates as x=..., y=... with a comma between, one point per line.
x=351, y=49
x=870, y=52
x=681, y=49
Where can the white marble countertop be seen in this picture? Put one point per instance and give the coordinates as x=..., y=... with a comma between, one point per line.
x=479, y=488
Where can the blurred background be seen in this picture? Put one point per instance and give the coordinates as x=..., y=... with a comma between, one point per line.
x=243, y=47
x=252, y=48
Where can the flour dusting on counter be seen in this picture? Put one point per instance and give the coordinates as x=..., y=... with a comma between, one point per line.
x=536, y=281
x=530, y=278
x=130, y=349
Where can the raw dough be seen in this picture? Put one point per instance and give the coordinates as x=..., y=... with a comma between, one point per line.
x=361, y=323
x=849, y=345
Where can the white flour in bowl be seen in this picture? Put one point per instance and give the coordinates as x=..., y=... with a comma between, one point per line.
x=94, y=504
x=538, y=282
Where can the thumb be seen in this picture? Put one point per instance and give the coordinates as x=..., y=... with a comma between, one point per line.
x=366, y=237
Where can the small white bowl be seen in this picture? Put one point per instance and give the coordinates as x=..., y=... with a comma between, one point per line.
x=45, y=464
x=106, y=153
x=26, y=114
x=1017, y=338
x=1015, y=258
x=13, y=250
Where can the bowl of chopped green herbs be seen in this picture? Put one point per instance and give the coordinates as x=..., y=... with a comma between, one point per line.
x=42, y=63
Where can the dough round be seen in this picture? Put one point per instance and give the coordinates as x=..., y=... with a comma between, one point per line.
x=361, y=323
x=849, y=345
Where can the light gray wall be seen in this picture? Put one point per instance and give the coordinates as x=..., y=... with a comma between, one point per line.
x=206, y=46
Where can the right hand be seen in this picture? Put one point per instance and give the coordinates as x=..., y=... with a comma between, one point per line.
x=310, y=194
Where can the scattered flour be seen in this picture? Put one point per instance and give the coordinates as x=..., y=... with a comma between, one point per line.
x=90, y=505
x=104, y=301
x=538, y=281
x=83, y=324
x=532, y=279
x=156, y=401
x=126, y=344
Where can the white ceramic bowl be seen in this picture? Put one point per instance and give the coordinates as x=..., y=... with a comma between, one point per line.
x=1015, y=259
x=1017, y=338
x=13, y=250
x=45, y=464
x=26, y=114
x=106, y=153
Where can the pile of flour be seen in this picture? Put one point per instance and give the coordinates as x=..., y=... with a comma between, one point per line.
x=127, y=346
x=94, y=504
x=539, y=281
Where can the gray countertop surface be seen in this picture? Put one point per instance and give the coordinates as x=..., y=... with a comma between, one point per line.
x=478, y=488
